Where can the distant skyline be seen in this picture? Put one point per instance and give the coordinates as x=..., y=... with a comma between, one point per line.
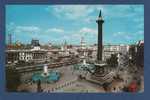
x=124, y=24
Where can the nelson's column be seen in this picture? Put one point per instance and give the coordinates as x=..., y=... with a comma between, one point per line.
x=100, y=22
x=100, y=75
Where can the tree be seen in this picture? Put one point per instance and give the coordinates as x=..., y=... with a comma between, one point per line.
x=12, y=79
x=39, y=88
x=113, y=60
x=132, y=53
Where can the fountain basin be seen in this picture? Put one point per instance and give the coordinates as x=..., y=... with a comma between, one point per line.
x=51, y=77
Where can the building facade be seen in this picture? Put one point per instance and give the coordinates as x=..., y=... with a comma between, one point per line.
x=14, y=56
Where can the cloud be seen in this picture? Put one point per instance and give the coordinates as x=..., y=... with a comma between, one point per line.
x=124, y=11
x=10, y=28
x=140, y=26
x=118, y=34
x=140, y=32
x=86, y=13
x=139, y=22
x=138, y=19
x=86, y=30
x=57, y=30
x=75, y=36
x=73, y=12
x=123, y=36
x=81, y=19
x=32, y=29
x=126, y=37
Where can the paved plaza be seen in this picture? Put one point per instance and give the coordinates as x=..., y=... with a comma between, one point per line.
x=68, y=82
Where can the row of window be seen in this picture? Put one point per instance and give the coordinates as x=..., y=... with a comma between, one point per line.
x=27, y=58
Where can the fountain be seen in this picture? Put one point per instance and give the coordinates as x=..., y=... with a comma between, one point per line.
x=46, y=76
x=45, y=71
x=83, y=68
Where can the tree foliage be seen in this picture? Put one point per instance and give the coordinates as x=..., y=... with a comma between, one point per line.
x=12, y=79
x=112, y=61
